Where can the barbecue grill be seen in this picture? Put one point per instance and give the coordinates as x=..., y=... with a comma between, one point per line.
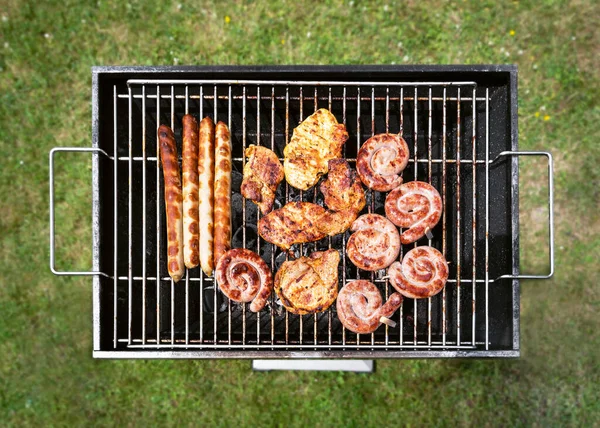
x=460, y=123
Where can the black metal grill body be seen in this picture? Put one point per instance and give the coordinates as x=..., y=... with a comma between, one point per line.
x=455, y=119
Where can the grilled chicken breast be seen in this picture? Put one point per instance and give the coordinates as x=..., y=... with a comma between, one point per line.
x=262, y=174
x=309, y=284
x=342, y=188
x=300, y=222
x=317, y=140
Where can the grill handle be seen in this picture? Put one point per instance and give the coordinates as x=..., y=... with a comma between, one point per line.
x=550, y=210
x=52, y=261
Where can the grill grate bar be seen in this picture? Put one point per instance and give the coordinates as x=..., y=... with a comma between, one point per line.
x=129, y=220
x=429, y=177
x=474, y=220
x=144, y=214
x=487, y=214
x=172, y=283
x=244, y=97
x=444, y=297
x=458, y=244
x=257, y=209
x=292, y=98
x=228, y=301
x=287, y=190
x=201, y=274
x=401, y=102
x=415, y=140
x=187, y=272
x=158, y=198
x=344, y=101
x=272, y=298
x=358, y=141
x=214, y=285
x=115, y=214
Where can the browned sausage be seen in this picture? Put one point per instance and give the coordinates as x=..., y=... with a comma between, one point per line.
x=206, y=174
x=189, y=174
x=360, y=307
x=422, y=273
x=173, y=202
x=243, y=276
x=222, y=191
x=415, y=205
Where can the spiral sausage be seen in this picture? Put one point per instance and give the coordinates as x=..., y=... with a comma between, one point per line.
x=380, y=160
x=206, y=174
x=189, y=174
x=243, y=276
x=417, y=206
x=359, y=306
x=422, y=273
x=222, y=214
x=375, y=243
x=173, y=201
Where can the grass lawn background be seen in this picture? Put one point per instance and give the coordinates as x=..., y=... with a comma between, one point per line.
x=46, y=370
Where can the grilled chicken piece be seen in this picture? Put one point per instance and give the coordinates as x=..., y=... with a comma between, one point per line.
x=300, y=222
x=309, y=284
x=314, y=143
x=262, y=174
x=342, y=188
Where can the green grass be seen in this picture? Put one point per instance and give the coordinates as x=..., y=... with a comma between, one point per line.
x=47, y=375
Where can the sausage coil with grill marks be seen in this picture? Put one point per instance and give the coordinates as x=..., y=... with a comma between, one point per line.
x=243, y=276
x=189, y=167
x=422, y=273
x=375, y=243
x=415, y=205
x=380, y=161
x=360, y=309
x=173, y=201
x=222, y=213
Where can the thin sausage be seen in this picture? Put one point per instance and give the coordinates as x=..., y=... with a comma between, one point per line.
x=206, y=174
x=173, y=202
x=189, y=174
x=222, y=191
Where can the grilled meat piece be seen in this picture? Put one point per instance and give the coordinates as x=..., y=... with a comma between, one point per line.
x=300, y=222
x=342, y=188
x=262, y=174
x=309, y=284
x=317, y=140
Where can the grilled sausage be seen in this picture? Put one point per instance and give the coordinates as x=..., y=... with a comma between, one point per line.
x=173, y=201
x=206, y=178
x=359, y=306
x=375, y=243
x=189, y=174
x=380, y=160
x=415, y=205
x=222, y=242
x=422, y=273
x=243, y=276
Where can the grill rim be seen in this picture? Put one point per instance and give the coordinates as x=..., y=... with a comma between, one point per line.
x=329, y=73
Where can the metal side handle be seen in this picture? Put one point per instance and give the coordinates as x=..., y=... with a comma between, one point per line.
x=52, y=261
x=550, y=210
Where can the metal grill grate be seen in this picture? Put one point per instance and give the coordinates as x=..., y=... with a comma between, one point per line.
x=438, y=121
